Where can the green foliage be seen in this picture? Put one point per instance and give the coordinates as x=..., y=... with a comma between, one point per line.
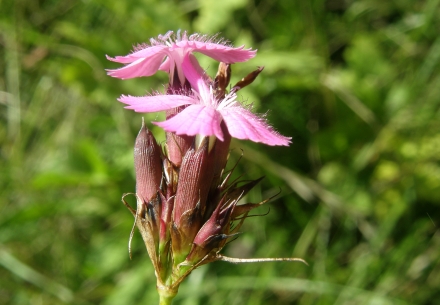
x=355, y=83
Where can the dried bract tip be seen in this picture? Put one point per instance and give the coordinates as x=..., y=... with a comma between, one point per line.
x=247, y=80
x=222, y=79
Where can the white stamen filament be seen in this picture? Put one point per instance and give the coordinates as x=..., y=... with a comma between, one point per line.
x=229, y=100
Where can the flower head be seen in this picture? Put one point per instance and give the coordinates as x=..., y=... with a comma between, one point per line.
x=205, y=112
x=167, y=52
x=187, y=208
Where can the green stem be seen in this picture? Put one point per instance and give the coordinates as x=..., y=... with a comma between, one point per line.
x=165, y=300
x=166, y=294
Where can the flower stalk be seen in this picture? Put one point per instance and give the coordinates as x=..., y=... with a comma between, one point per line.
x=187, y=208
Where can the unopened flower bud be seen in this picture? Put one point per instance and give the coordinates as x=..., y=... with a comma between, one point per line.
x=148, y=165
x=214, y=233
x=195, y=179
x=215, y=225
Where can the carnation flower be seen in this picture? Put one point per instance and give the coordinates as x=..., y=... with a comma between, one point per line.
x=205, y=112
x=167, y=52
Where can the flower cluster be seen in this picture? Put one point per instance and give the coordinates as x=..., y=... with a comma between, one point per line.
x=187, y=209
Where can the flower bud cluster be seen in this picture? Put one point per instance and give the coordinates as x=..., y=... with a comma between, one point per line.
x=186, y=207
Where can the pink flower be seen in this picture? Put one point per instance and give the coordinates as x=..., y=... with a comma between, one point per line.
x=205, y=112
x=167, y=53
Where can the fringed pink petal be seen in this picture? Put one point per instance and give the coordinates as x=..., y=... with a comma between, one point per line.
x=243, y=124
x=155, y=103
x=219, y=52
x=191, y=69
x=147, y=52
x=140, y=67
x=166, y=65
x=193, y=120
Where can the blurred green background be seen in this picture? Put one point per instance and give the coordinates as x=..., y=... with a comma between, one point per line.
x=355, y=83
